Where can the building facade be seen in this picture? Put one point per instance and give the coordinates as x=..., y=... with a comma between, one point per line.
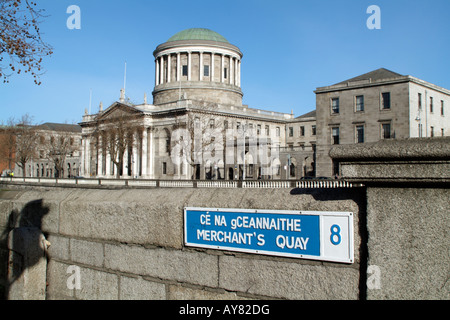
x=57, y=152
x=377, y=105
x=196, y=127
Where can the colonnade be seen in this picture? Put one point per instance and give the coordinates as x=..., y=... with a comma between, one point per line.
x=138, y=160
x=229, y=71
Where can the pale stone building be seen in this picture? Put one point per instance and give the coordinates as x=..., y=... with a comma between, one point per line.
x=196, y=127
x=55, y=142
x=377, y=105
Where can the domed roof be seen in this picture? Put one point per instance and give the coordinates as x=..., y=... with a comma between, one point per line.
x=198, y=34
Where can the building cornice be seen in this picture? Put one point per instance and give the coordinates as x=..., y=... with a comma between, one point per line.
x=351, y=85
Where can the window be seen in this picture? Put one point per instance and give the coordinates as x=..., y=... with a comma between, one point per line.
x=385, y=130
x=386, y=100
x=360, y=134
x=431, y=104
x=442, y=132
x=267, y=130
x=225, y=73
x=278, y=131
x=442, y=107
x=419, y=101
x=164, y=167
x=238, y=125
x=335, y=105
x=291, y=131
x=185, y=70
x=206, y=71
x=432, y=131
x=313, y=130
x=258, y=129
x=167, y=145
x=335, y=135
x=302, y=131
x=359, y=103
x=225, y=124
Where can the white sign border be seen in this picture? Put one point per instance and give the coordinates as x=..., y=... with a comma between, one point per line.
x=321, y=214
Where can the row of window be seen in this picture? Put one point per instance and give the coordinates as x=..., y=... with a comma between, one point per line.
x=385, y=103
x=385, y=133
x=432, y=131
x=359, y=103
x=419, y=99
x=302, y=131
x=205, y=71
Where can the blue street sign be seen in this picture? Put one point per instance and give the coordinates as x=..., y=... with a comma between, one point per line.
x=314, y=235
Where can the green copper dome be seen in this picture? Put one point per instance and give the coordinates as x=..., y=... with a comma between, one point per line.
x=198, y=34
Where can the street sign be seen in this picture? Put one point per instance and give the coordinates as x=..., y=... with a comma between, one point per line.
x=326, y=236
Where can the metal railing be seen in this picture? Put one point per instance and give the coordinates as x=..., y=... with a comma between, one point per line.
x=258, y=184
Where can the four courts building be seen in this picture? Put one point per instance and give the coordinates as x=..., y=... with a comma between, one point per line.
x=198, y=128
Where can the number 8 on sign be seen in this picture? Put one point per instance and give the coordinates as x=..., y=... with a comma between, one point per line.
x=335, y=233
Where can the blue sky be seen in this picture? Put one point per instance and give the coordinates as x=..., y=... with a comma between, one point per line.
x=290, y=48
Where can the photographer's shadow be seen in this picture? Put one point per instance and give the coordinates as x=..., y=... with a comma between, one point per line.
x=27, y=248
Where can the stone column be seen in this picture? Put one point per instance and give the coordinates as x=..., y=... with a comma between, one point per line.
x=200, y=73
x=144, y=152
x=108, y=163
x=212, y=67
x=236, y=61
x=178, y=66
x=169, y=62
x=151, y=158
x=161, y=70
x=239, y=73
x=135, y=158
x=222, y=66
x=83, y=157
x=231, y=70
x=100, y=156
x=156, y=71
x=189, y=65
x=87, y=162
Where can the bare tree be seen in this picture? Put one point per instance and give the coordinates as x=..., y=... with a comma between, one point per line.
x=59, y=146
x=115, y=136
x=8, y=143
x=197, y=136
x=26, y=142
x=21, y=44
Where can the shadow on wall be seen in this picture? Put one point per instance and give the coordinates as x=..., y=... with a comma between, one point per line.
x=25, y=240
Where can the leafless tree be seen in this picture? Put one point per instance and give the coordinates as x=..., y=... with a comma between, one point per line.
x=26, y=142
x=197, y=136
x=59, y=146
x=21, y=44
x=115, y=136
x=8, y=143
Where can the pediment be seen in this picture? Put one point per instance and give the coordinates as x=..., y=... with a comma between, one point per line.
x=118, y=110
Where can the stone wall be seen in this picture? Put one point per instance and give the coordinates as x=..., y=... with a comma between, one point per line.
x=408, y=201
x=128, y=243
